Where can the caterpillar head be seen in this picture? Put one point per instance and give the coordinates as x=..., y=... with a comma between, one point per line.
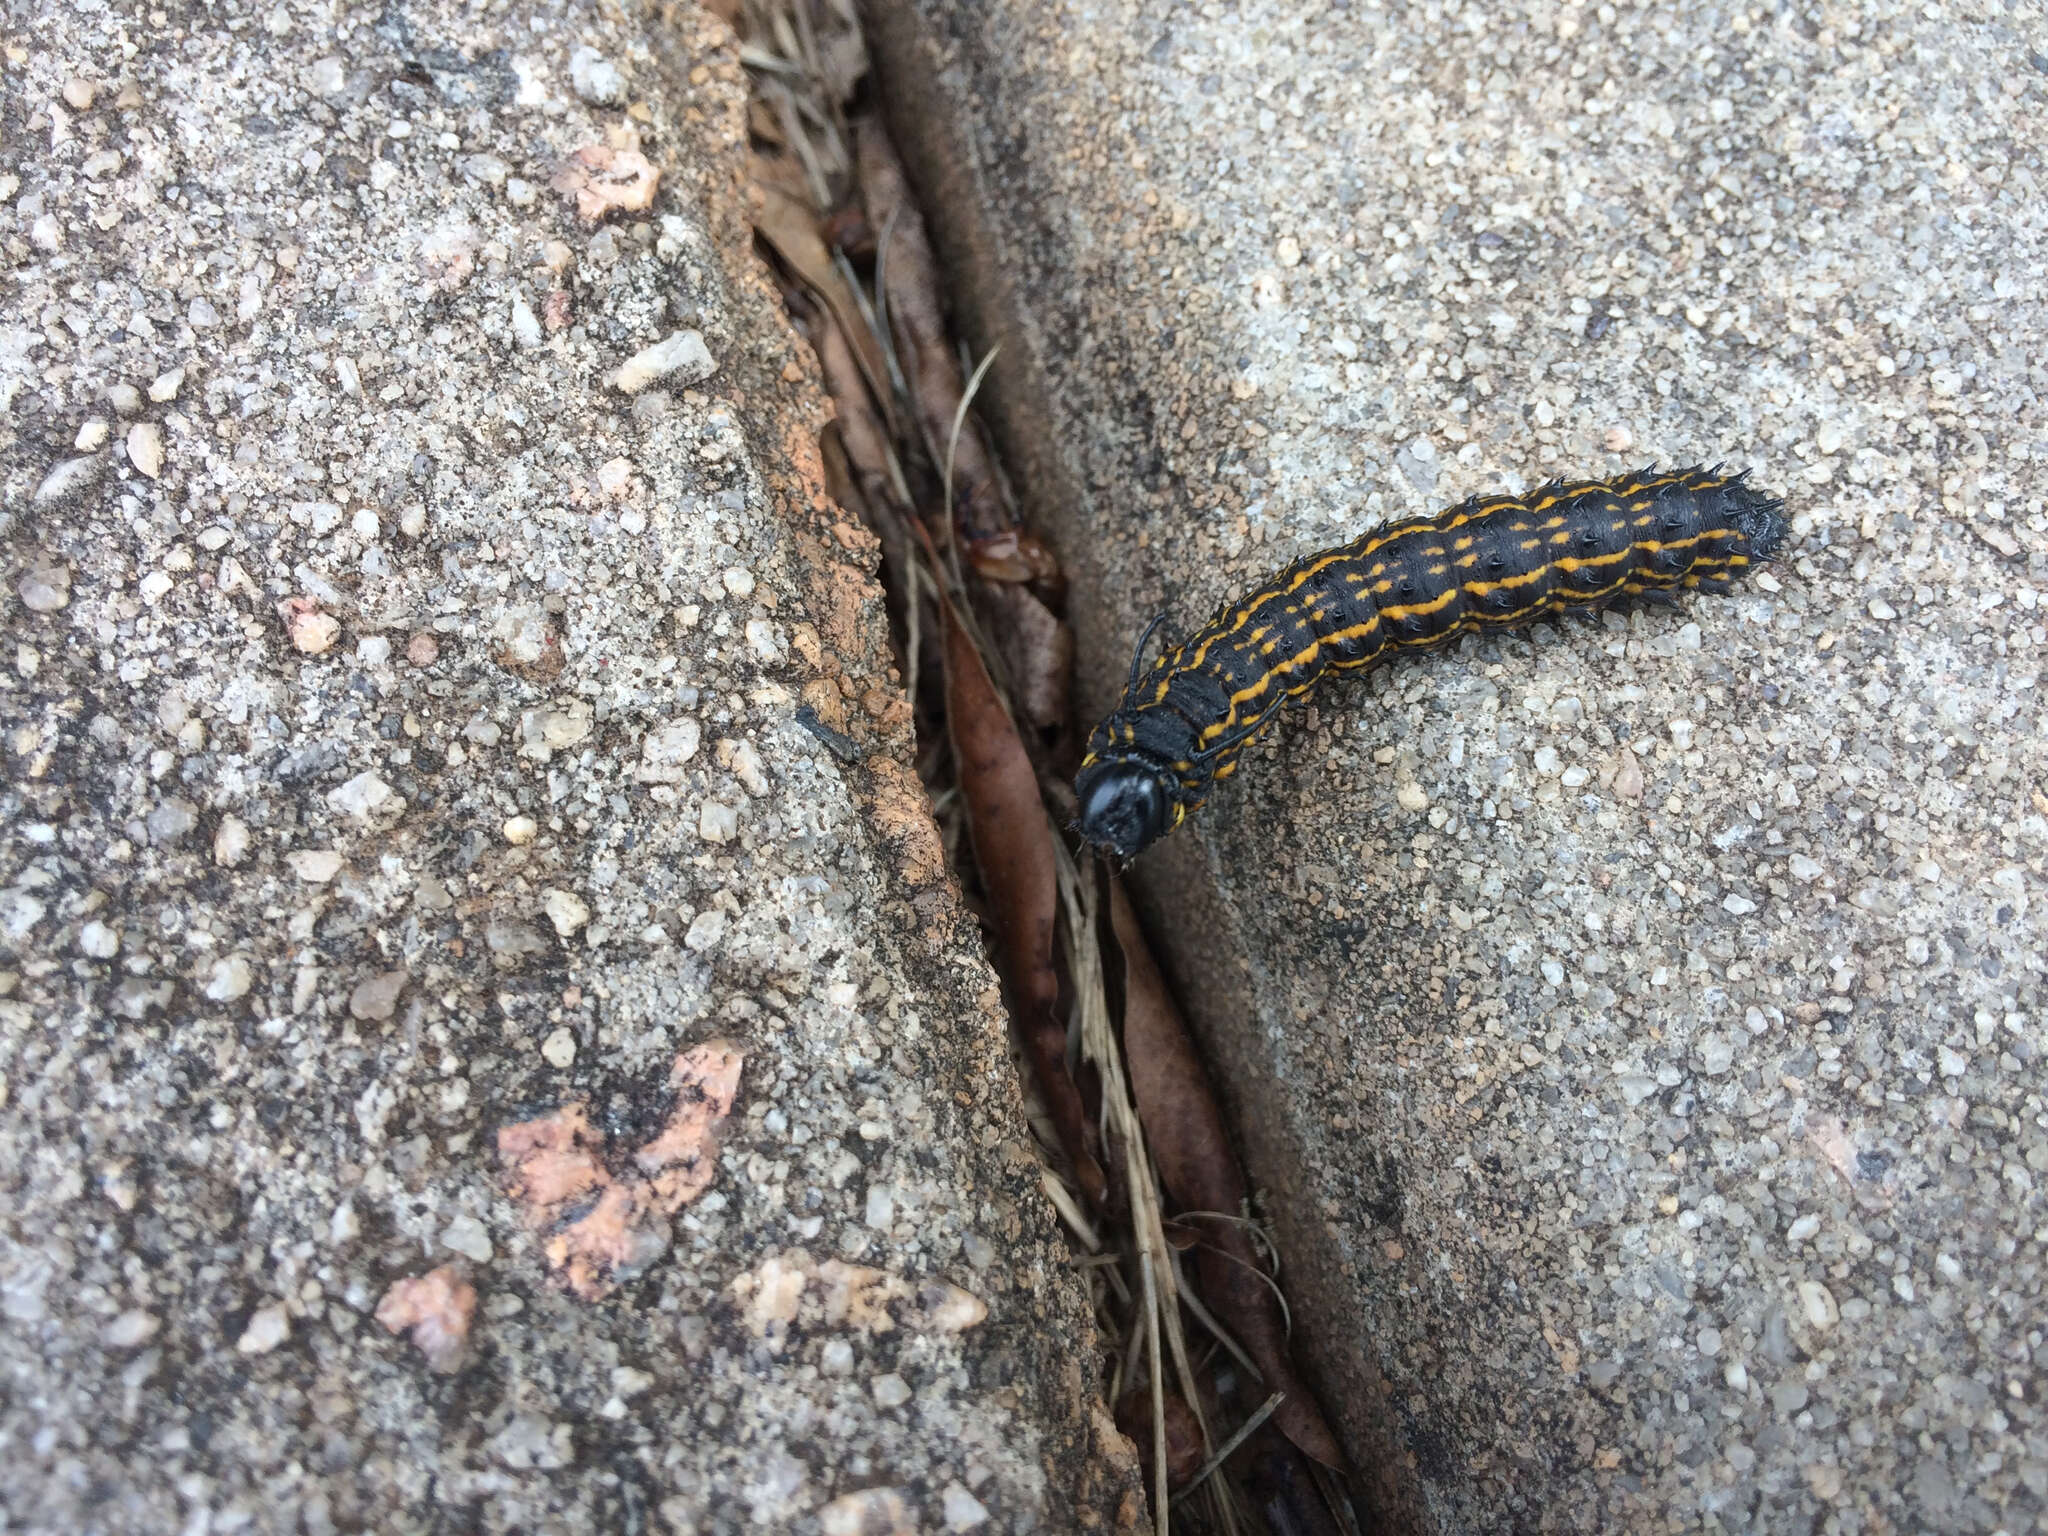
x=1127, y=804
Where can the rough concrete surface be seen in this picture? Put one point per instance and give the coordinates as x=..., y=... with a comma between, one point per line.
x=470, y=1058
x=1636, y=1028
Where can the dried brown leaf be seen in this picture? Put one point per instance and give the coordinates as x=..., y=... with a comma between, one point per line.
x=1013, y=849
x=1284, y=1484
x=849, y=230
x=786, y=219
x=1184, y=1447
x=862, y=429
x=1191, y=1149
x=1014, y=555
x=1037, y=649
x=924, y=347
x=761, y=123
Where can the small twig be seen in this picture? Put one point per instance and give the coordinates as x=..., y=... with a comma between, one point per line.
x=1256, y=1228
x=897, y=380
x=1243, y=1433
x=773, y=63
x=1286, y=1313
x=1069, y=1210
x=960, y=416
x=1199, y=1310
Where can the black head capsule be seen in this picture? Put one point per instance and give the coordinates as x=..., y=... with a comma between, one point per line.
x=1126, y=805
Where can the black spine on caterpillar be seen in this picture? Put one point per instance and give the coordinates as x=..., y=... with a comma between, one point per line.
x=1491, y=563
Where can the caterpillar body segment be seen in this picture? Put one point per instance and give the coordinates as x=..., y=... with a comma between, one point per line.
x=1498, y=562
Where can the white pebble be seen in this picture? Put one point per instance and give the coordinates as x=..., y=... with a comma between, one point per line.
x=97, y=941
x=718, y=822
x=567, y=911
x=881, y=1207
x=525, y=324
x=231, y=978
x=559, y=1049
x=130, y=1329
x=344, y=1225
x=520, y=830
x=682, y=354
x=891, y=1390
x=230, y=841
x=962, y=1510
x=746, y=767
x=596, y=78
x=665, y=749
x=146, y=448
x=311, y=631
x=363, y=796
x=165, y=386
x=45, y=588
x=315, y=866
x=268, y=1327
x=1819, y=1304
x=467, y=1236
x=1412, y=797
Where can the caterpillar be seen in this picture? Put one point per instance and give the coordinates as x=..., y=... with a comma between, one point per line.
x=1495, y=562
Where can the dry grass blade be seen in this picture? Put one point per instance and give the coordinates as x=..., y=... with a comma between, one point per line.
x=1223, y=1452
x=1185, y=1126
x=1159, y=1319
x=967, y=394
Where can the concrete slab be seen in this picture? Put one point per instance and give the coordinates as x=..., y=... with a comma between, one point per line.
x=1636, y=1028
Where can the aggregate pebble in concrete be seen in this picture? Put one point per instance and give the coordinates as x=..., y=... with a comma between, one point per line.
x=400, y=748
x=1636, y=1027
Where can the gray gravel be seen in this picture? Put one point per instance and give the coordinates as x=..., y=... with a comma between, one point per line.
x=402, y=767
x=1635, y=1027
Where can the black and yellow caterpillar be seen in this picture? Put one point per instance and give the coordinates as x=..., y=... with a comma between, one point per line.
x=1493, y=562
